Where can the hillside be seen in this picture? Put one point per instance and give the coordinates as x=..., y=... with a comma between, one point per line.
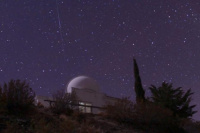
x=41, y=120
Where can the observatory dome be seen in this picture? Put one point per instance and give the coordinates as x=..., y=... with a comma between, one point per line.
x=82, y=82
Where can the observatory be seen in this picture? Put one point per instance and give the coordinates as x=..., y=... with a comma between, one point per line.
x=82, y=82
x=88, y=93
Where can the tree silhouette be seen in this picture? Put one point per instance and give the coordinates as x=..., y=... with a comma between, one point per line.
x=64, y=102
x=174, y=99
x=16, y=97
x=138, y=84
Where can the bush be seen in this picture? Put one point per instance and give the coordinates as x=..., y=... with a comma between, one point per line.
x=191, y=126
x=151, y=117
x=43, y=123
x=16, y=97
x=174, y=99
x=121, y=110
x=86, y=128
x=13, y=127
x=146, y=116
x=64, y=103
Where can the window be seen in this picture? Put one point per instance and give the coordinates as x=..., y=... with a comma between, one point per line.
x=83, y=107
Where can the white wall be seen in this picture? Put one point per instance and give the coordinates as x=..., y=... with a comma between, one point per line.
x=90, y=96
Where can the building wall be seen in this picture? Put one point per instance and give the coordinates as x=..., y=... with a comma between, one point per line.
x=90, y=96
x=97, y=99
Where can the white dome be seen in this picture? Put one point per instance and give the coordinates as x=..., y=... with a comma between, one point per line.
x=82, y=82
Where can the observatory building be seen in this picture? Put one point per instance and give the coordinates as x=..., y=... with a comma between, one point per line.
x=88, y=92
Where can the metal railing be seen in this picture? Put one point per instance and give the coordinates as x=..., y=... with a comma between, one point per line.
x=78, y=105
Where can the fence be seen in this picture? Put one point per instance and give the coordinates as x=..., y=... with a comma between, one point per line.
x=77, y=105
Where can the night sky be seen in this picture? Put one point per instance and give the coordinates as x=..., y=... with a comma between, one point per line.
x=49, y=42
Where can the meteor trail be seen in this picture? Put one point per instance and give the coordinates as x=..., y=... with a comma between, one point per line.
x=60, y=26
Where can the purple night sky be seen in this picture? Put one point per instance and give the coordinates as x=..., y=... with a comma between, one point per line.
x=49, y=42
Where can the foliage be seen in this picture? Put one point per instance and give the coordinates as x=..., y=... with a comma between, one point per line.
x=139, y=117
x=121, y=110
x=86, y=128
x=191, y=126
x=44, y=123
x=140, y=93
x=64, y=102
x=16, y=97
x=40, y=105
x=154, y=118
x=13, y=128
x=174, y=99
x=146, y=116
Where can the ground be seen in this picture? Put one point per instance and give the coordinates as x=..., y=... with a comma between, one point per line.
x=42, y=120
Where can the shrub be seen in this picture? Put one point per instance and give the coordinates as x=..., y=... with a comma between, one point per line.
x=87, y=128
x=40, y=105
x=79, y=116
x=121, y=110
x=44, y=123
x=146, y=116
x=13, y=127
x=16, y=97
x=64, y=103
x=154, y=118
x=174, y=99
x=191, y=126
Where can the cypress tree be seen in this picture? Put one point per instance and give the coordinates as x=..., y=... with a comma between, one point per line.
x=138, y=84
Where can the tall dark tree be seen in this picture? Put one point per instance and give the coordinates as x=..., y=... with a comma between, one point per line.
x=16, y=97
x=140, y=94
x=174, y=99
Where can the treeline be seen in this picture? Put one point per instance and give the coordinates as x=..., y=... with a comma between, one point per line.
x=165, y=111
